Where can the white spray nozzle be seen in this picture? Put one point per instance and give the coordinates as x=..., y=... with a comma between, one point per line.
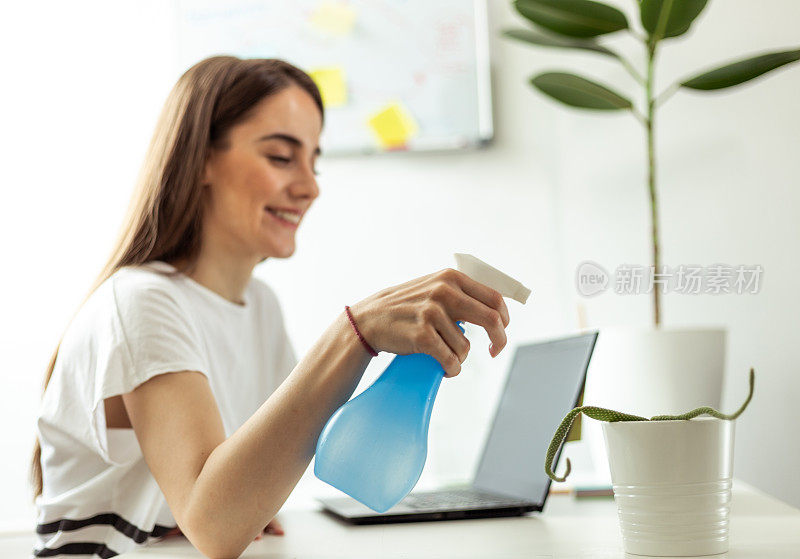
x=483, y=273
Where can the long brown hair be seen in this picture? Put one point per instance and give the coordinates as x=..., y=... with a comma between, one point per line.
x=165, y=214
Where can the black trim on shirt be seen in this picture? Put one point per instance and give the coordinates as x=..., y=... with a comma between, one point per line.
x=81, y=548
x=109, y=518
x=88, y=548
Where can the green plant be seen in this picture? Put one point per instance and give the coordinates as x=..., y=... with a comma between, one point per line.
x=576, y=24
x=603, y=414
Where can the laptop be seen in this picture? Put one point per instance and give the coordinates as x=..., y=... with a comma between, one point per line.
x=544, y=383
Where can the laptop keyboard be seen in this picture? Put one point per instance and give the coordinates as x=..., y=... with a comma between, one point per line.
x=458, y=499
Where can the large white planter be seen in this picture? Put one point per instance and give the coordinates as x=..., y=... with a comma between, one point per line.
x=656, y=372
x=649, y=372
x=672, y=484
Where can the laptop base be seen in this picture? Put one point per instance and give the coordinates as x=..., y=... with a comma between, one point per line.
x=421, y=506
x=431, y=516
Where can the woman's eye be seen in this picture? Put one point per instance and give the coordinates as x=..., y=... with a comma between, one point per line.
x=285, y=161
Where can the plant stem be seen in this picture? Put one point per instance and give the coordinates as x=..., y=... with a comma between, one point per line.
x=651, y=177
x=630, y=69
x=639, y=116
x=667, y=93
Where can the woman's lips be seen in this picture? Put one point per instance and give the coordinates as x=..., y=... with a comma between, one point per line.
x=281, y=220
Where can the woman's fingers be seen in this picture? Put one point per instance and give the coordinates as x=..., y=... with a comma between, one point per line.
x=274, y=527
x=429, y=341
x=486, y=295
x=452, y=335
x=479, y=305
x=490, y=319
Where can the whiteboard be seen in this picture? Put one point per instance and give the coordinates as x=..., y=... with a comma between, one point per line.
x=405, y=74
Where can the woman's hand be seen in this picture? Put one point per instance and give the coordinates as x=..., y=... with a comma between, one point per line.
x=274, y=527
x=420, y=316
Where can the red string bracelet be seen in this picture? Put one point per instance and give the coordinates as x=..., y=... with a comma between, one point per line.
x=368, y=347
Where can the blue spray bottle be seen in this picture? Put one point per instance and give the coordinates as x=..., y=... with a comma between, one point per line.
x=374, y=447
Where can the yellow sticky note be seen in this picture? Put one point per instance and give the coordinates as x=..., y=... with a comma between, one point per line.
x=332, y=85
x=393, y=125
x=334, y=17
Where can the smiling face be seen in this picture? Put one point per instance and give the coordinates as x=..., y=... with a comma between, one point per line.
x=262, y=185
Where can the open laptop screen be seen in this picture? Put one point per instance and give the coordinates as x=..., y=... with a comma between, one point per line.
x=543, y=384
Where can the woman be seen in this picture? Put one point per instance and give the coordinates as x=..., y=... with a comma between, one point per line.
x=174, y=402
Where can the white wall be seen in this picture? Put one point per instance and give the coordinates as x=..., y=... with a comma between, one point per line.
x=83, y=87
x=729, y=189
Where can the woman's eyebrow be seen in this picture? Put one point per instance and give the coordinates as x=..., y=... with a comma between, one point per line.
x=288, y=139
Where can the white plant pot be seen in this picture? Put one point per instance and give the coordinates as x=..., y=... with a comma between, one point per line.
x=649, y=372
x=656, y=372
x=672, y=484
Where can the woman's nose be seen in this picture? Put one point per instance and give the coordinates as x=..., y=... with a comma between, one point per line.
x=306, y=186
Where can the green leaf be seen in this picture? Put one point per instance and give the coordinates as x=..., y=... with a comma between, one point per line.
x=678, y=14
x=742, y=71
x=535, y=38
x=579, y=92
x=574, y=18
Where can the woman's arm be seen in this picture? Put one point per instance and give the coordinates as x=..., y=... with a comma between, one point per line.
x=248, y=477
x=223, y=492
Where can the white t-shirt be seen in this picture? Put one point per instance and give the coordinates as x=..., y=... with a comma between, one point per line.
x=99, y=497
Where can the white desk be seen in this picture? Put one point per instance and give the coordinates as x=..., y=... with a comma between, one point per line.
x=761, y=528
